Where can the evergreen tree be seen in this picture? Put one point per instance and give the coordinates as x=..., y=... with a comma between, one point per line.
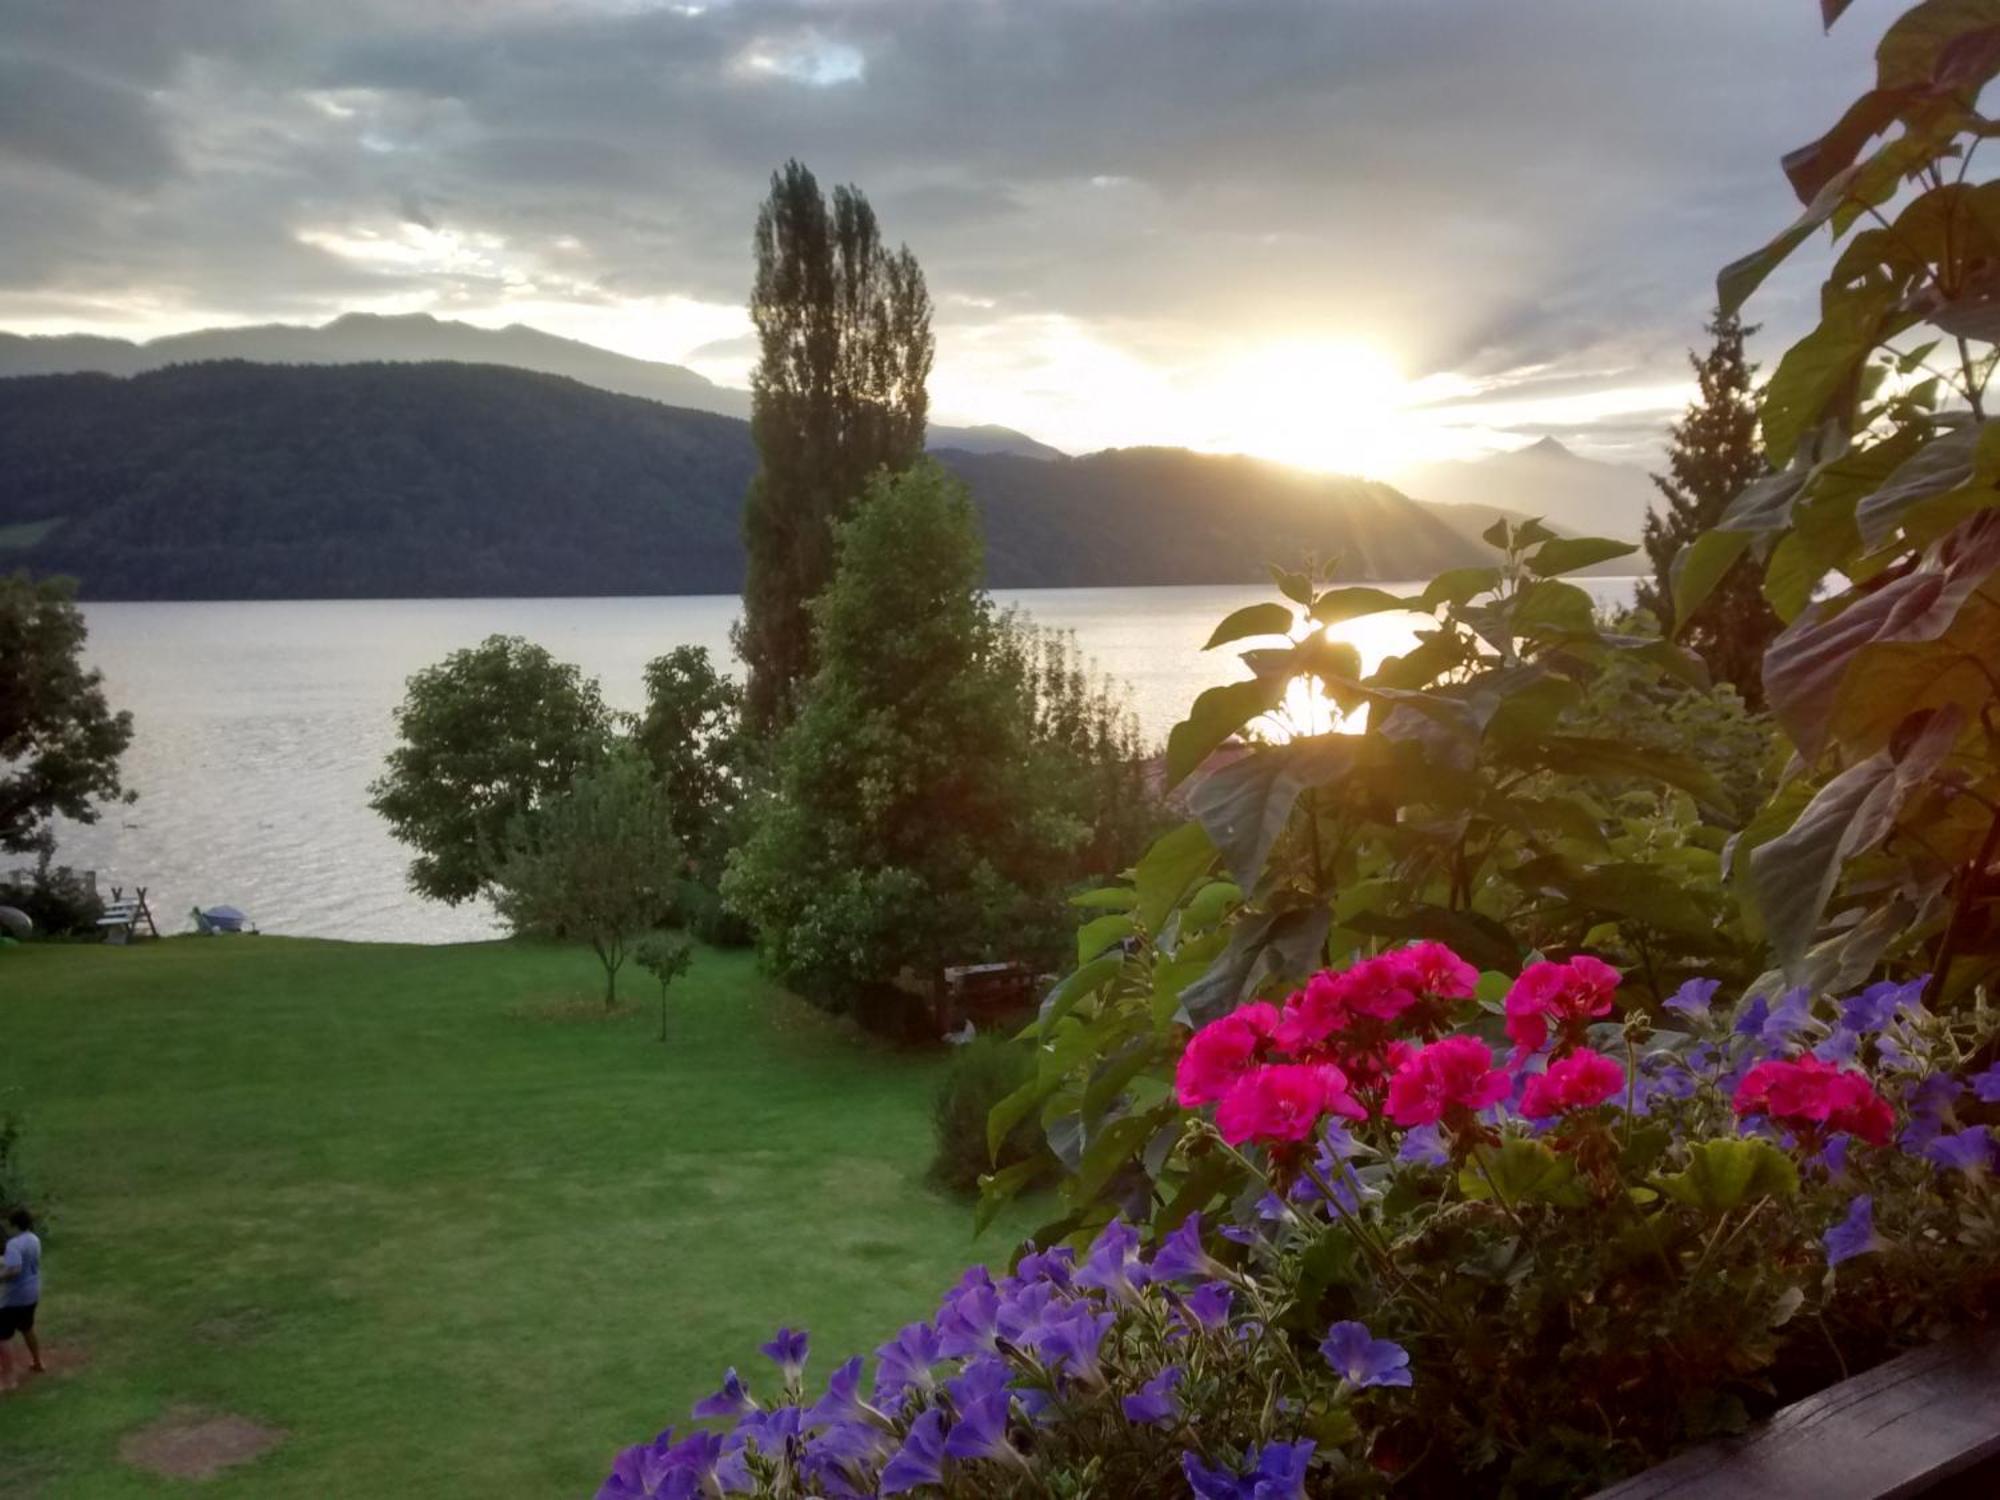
x=1715, y=454
x=844, y=327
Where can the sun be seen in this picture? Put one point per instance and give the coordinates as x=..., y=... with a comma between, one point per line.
x=1338, y=406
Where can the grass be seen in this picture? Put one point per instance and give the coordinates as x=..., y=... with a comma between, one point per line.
x=450, y=1231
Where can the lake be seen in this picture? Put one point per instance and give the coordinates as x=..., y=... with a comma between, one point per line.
x=259, y=725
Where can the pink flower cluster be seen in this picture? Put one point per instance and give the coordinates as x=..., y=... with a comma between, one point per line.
x=1814, y=1097
x=1563, y=997
x=1374, y=1035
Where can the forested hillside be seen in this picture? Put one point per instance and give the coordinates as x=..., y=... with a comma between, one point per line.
x=235, y=480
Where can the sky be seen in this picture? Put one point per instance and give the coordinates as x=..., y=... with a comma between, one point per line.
x=1354, y=234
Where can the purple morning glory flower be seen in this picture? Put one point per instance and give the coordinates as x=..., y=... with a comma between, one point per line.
x=967, y=1321
x=1154, y=1405
x=906, y=1361
x=1986, y=1086
x=733, y=1400
x=1423, y=1146
x=1962, y=1151
x=1751, y=1014
x=1855, y=1234
x=921, y=1458
x=1053, y=1265
x=1072, y=1343
x=1113, y=1265
x=1276, y=1472
x=1840, y=1048
x=1362, y=1359
x=788, y=1352
x=842, y=1401
x=1180, y=1256
x=1693, y=997
x=1208, y=1304
x=1791, y=1015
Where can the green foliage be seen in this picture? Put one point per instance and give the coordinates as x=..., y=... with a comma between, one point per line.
x=692, y=733
x=19, y=1186
x=597, y=862
x=666, y=958
x=59, y=739
x=912, y=821
x=1878, y=537
x=488, y=735
x=58, y=900
x=981, y=1073
x=1714, y=455
x=844, y=336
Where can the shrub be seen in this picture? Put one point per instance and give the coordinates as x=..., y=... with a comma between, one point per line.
x=58, y=900
x=982, y=1073
x=18, y=1186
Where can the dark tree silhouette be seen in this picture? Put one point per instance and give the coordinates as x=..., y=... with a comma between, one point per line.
x=1715, y=453
x=845, y=332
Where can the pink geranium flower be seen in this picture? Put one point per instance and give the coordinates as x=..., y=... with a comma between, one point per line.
x=1583, y=1080
x=1560, y=995
x=1435, y=969
x=1447, y=1080
x=1314, y=1013
x=1222, y=1052
x=1284, y=1102
x=1811, y=1095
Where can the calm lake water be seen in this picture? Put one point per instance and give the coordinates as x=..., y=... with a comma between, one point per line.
x=260, y=725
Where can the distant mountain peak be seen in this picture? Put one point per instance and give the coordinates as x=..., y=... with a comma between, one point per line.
x=1548, y=447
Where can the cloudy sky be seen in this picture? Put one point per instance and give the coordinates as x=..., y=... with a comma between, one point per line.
x=1354, y=233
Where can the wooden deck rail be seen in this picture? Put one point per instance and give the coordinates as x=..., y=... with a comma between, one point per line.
x=1925, y=1423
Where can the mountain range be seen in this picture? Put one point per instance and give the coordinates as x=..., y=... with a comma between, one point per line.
x=362, y=338
x=1572, y=493
x=236, y=480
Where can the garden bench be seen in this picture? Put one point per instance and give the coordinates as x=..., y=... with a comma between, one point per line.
x=123, y=914
x=1925, y=1423
x=985, y=992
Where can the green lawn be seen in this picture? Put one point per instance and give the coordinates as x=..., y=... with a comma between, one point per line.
x=381, y=1198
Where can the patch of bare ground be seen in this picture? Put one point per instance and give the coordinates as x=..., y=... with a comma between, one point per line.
x=197, y=1445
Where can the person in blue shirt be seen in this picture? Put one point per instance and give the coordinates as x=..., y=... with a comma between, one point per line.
x=20, y=1294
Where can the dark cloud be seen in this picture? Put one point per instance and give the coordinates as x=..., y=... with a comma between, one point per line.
x=1478, y=186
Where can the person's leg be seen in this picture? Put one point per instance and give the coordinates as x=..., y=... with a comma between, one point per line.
x=34, y=1350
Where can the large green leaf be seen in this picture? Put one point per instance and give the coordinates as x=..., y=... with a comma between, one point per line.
x=1261, y=947
x=1253, y=620
x=1940, y=42
x=1093, y=937
x=1458, y=586
x=1815, y=381
x=1085, y=980
x=1566, y=554
x=1737, y=280
x=1582, y=755
x=1245, y=806
x=1522, y=1172
x=1216, y=715
x=1942, y=464
x=1337, y=605
x=1811, y=167
x=1175, y=861
x=1635, y=892
x=1793, y=876
x=1701, y=566
x=1722, y=1176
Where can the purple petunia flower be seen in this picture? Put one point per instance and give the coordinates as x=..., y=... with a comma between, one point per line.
x=1929, y=1103
x=1790, y=1016
x=1693, y=997
x=1054, y=1266
x=1208, y=1305
x=1024, y=1313
x=1154, y=1405
x=1180, y=1256
x=1855, y=1234
x=842, y=1401
x=1275, y=1472
x=1986, y=1086
x=1751, y=1014
x=921, y=1458
x=733, y=1400
x=1833, y=1155
x=1840, y=1049
x=1072, y=1343
x=788, y=1352
x=1962, y=1151
x=981, y=1429
x=1876, y=1006
x=1356, y=1356
x=1241, y=1234
x=1423, y=1146
x=906, y=1361
x=967, y=1321
x=1113, y=1265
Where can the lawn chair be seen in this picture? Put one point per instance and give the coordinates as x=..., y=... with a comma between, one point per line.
x=122, y=916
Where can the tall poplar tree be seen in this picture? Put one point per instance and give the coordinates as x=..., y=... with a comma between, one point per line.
x=844, y=326
x=1715, y=453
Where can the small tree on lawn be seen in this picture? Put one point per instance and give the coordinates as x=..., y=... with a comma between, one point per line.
x=666, y=957
x=597, y=863
x=59, y=739
x=692, y=731
x=488, y=735
x=908, y=823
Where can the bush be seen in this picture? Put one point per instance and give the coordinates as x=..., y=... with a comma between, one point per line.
x=700, y=909
x=18, y=1188
x=58, y=900
x=982, y=1073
